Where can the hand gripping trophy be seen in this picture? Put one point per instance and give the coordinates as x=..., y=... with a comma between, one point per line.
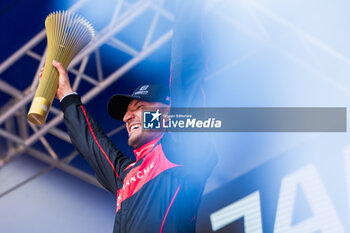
x=67, y=33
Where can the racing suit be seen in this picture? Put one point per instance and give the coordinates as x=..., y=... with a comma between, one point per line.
x=160, y=191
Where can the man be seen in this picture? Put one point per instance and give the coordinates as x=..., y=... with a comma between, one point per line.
x=161, y=190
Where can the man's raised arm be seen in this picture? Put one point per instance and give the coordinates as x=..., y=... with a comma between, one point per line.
x=88, y=137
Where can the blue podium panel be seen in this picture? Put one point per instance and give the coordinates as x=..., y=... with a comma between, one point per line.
x=54, y=202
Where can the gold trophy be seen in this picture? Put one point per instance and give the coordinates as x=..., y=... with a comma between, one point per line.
x=67, y=33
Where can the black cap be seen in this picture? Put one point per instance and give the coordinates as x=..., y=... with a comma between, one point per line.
x=118, y=104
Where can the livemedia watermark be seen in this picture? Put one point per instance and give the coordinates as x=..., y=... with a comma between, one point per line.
x=332, y=119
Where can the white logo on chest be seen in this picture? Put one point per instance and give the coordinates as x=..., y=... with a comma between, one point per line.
x=138, y=175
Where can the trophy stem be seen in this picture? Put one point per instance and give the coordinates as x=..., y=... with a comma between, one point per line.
x=38, y=110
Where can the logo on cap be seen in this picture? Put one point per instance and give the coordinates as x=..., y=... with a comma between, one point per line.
x=144, y=87
x=142, y=90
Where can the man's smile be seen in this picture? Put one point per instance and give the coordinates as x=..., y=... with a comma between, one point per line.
x=133, y=127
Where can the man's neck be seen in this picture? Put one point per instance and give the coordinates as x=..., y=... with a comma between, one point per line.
x=144, y=149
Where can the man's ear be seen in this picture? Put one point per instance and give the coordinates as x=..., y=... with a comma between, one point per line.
x=167, y=109
x=166, y=112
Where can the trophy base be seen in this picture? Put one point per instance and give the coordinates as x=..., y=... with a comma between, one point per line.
x=38, y=110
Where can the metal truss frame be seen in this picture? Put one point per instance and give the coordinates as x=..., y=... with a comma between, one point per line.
x=259, y=32
x=14, y=111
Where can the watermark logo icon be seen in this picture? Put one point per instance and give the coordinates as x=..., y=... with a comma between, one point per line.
x=151, y=120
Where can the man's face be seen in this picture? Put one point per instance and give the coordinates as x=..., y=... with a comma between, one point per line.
x=133, y=120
